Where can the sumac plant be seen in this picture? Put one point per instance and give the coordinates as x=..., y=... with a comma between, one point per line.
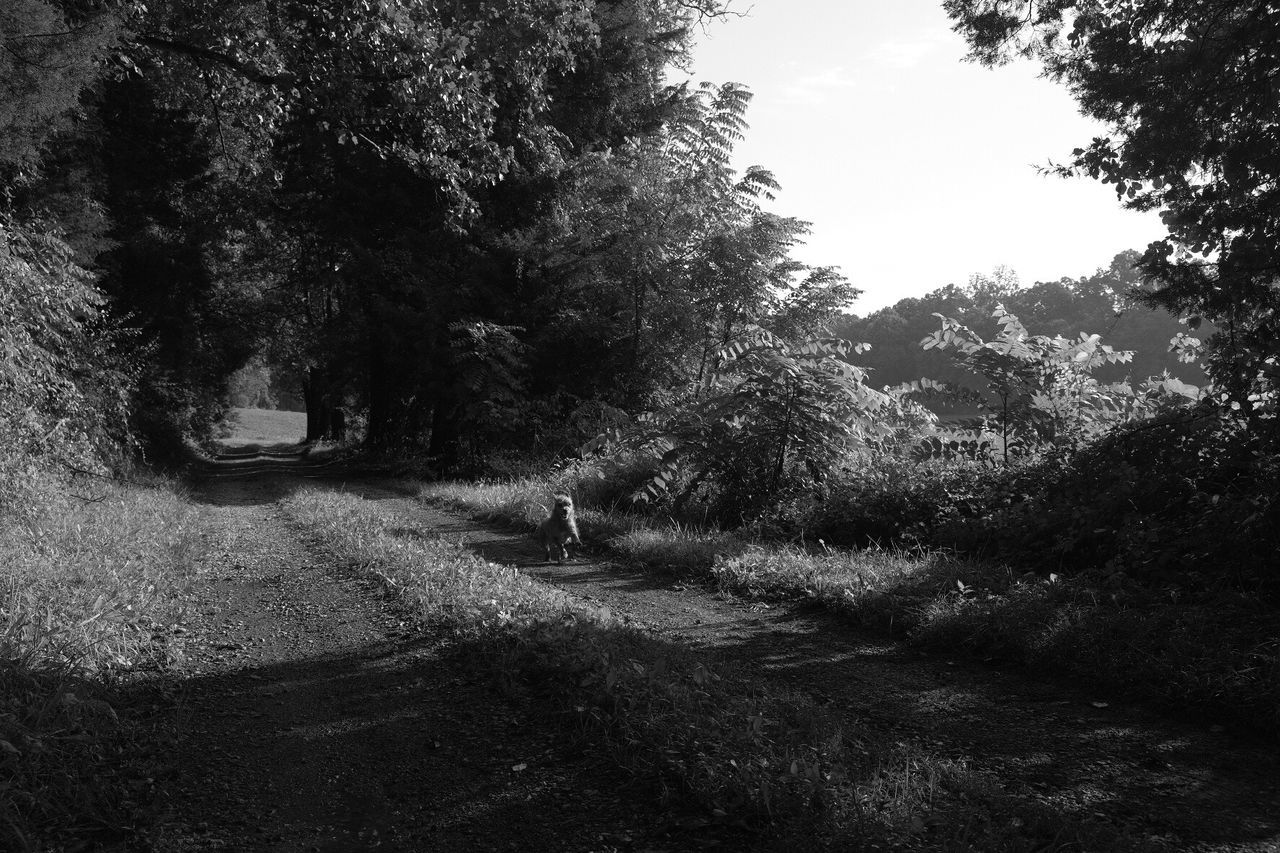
x=1040, y=392
x=773, y=413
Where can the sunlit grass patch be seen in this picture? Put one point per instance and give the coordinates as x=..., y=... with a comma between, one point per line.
x=85, y=584
x=80, y=584
x=525, y=502
x=676, y=548
x=245, y=427
x=650, y=542
x=847, y=575
x=446, y=581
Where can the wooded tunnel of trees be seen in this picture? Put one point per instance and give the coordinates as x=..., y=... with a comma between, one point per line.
x=463, y=219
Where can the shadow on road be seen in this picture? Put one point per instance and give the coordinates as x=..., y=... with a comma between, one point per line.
x=396, y=745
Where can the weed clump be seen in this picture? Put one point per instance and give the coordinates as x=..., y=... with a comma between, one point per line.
x=1185, y=501
x=84, y=588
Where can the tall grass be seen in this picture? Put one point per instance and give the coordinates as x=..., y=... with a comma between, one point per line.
x=747, y=754
x=85, y=580
x=874, y=586
x=1220, y=657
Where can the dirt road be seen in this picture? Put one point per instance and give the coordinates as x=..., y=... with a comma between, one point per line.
x=317, y=716
x=314, y=716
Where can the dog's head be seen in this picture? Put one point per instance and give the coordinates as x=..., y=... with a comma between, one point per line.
x=563, y=507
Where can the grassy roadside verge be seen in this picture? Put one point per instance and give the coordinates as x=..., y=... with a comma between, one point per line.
x=84, y=586
x=1219, y=657
x=769, y=760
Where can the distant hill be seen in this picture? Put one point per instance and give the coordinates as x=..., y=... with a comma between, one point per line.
x=1098, y=304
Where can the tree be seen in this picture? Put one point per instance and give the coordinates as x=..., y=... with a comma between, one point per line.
x=406, y=204
x=403, y=149
x=66, y=382
x=156, y=180
x=1040, y=390
x=770, y=414
x=658, y=253
x=65, y=385
x=1187, y=90
x=47, y=59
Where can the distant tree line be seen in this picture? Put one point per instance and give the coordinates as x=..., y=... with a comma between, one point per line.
x=1103, y=303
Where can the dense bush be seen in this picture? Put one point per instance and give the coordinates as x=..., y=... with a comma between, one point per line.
x=1186, y=499
x=771, y=419
x=89, y=580
x=889, y=502
x=64, y=388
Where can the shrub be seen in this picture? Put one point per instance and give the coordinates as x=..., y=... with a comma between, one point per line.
x=772, y=414
x=85, y=588
x=887, y=502
x=63, y=386
x=1186, y=499
x=1040, y=392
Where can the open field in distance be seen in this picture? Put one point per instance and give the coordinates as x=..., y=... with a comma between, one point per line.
x=263, y=426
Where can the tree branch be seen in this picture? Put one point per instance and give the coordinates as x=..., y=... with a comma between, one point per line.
x=111, y=478
x=246, y=70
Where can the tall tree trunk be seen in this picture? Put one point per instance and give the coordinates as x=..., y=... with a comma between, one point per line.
x=378, y=385
x=315, y=393
x=444, y=445
x=781, y=459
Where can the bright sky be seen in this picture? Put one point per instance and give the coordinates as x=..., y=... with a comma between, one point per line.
x=915, y=168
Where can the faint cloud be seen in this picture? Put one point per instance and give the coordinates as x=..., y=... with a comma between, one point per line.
x=908, y=53
x=815, y=89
